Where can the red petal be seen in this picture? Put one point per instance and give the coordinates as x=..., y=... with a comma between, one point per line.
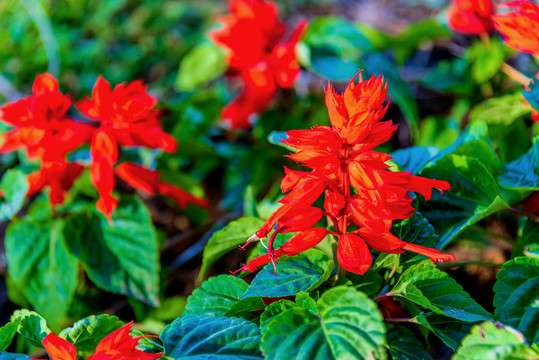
x=303, y=241
x=433, y=254
x=58, y=348
x=353, y=254
x=44, y=83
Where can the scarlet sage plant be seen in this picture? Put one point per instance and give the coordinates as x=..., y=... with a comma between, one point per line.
x=471, y=17
x=252, y=37
x=117, y=345
x=362, y=197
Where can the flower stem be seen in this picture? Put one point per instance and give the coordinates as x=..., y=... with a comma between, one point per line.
x=514, y=74
x=520, y=212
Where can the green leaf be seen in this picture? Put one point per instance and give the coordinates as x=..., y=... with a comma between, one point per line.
x=370, y=283
x=486, y=59
x=122, y=257
x=248, y=309
x=85, y=334
x=496, y=342
x=215, y=296
x=449, y=330
x=527, y=240
x=474, y=194
x=303, y=272
x=227, y=239
x=348, y=326
x=516, y=296
x=414, y=158
x=14, y=187
x=204, y=337
x=403, y=345
x=7, y=332
x=201, y=65
x=501, y=110
x=429, y=287
x=275, y=309
x=41, y=266
x=31, y=325
x=415, y=230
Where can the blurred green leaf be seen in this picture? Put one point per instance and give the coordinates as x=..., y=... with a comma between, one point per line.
x=501, y=110
x=14, y=187
x=495, y=341
x=41, y=265
x=414, y=158
x=486, y=59
x=522, y=174
x=201, y=65
x=516, y=297
x=7, y=332
x=121, y=257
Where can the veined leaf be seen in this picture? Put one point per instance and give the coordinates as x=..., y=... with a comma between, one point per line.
x=516, y=296
x=123, y=257
x=348, y=326
x=215, y=296
x=403, y=345
x=31, y=325
x=204, y=337
x=431, y=288
x=41, y=266
x=86, y=333
x=14, y=187
x=303, y=272
x=415, y=230
x=522, y=174
x=449, y=330
x=227, y=239
x=495, y=341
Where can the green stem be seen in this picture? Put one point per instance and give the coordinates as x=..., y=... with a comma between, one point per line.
x=520, y=212
x=466, y=263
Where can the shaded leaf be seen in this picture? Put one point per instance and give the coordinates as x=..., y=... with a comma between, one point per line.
x=201, y=65
x=501, y=110
x=449, y=330
x=7, y=332
x=403, y=345
x=204, y=337
x=414, y=158
x=14, y=187
x=31, y=325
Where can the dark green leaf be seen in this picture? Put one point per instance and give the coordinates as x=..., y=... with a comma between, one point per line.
x=227, y=239
x=449, y=330
x=215, y=296
x=403, y=345
x=201, y=65
x=516, y=296
x=248, y=309
x=414, y=158
x=303, y=272
x=122, y=257
x=431, y=288
x=85, y=334
x=495, y=341
x=31, y=325
x=14, y=187
x=522, y=174
x=41, y=266
x=203, y=337
x=415, y=230
x=275, y=309
x=7, y=332
x=348, y=326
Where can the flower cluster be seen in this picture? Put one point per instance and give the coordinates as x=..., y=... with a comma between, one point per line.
x=520, y=26
x=362, y=197
x=471, y=17
x=126, y=117
x=118, y=345
x=251, y=36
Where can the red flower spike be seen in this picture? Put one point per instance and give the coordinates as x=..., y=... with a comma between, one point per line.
x=58, y=348
x=115, y=346
x=342, y=160
x=251, y=37
x=471, y=17
x=520, y=26
x=59, y=177
x=148, y=181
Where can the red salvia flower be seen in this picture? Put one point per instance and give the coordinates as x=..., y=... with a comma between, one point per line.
x=127, y=118
x=44, y=130
x=471, y=17
x=118, y=345
x=251, y=37
x=520, y=27
x=148, y=181
x=359, y=190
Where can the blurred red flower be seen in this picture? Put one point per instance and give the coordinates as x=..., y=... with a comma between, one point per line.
x=471, y=17
x=360, y=193
x=127, y=118
x=118, y=345
x=45, y=132
x=520, y=26
x=251, y=37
